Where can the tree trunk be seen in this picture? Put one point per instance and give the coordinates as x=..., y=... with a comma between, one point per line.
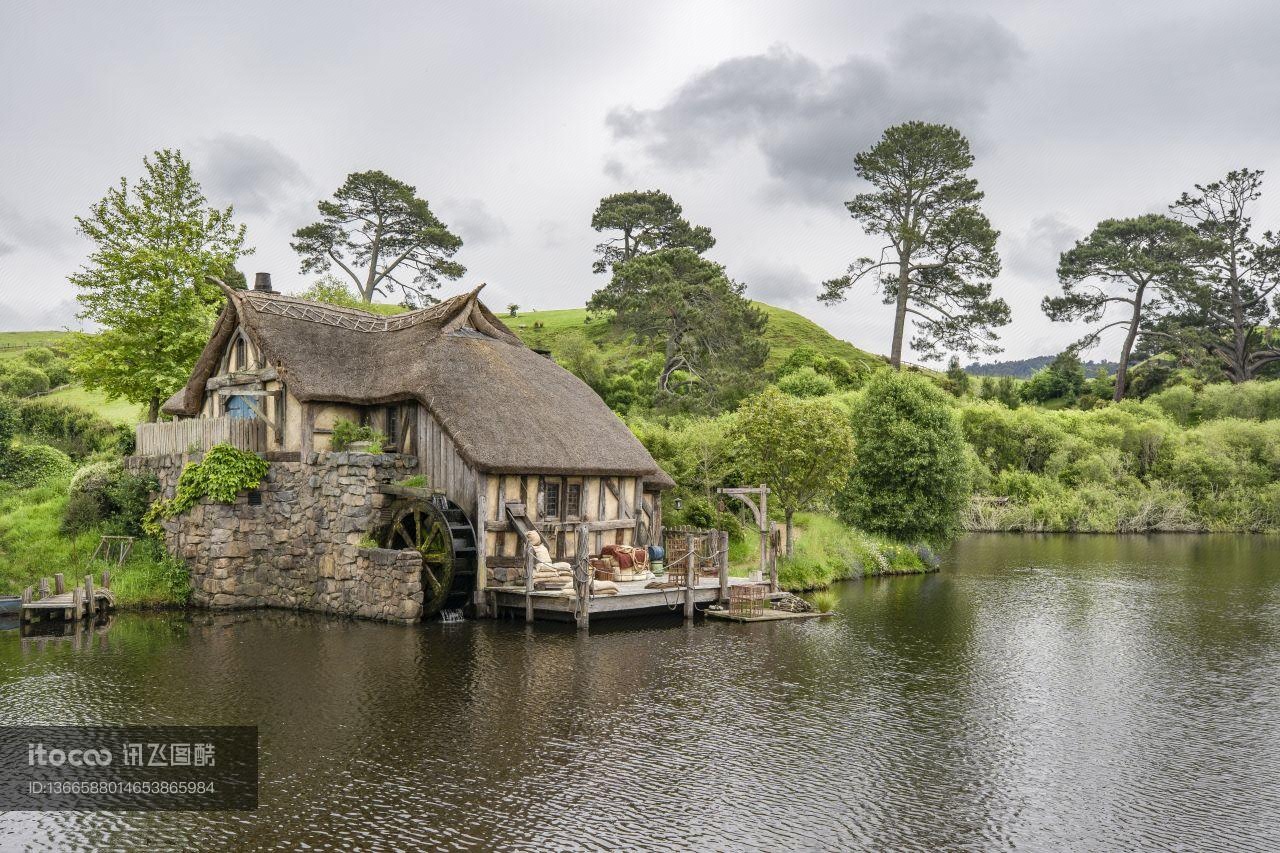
x=791, y=537
x=900, y=316
x=1122, y=372
x=153, y=410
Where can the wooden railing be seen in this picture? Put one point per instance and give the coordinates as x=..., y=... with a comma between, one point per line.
x=171, y=437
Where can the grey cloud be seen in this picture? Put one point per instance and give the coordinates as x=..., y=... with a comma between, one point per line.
x=1033, y=253
x=808, y=121
x=20, y=231
x=251, y=173
x=472, y=220
x=784, y=285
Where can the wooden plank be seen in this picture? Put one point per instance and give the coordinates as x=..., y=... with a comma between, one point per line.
x=690, y=577
x=595, y=526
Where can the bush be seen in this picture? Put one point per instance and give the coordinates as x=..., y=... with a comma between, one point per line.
x=75, y=431
x=22, y=380
x=53, y=365
x=103, y=493
x=346, y=433
x=37, y=464
x=910, y=481
x=806, y=382
x=222, y=474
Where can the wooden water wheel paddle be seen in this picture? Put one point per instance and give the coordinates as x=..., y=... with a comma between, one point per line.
x=440, y=531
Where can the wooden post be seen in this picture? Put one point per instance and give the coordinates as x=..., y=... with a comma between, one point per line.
x=76, y=604
x=44, y=588
x=24, y=615
x=776, y=542
x=91, y=606
x=528, y=582
x=690, y=574
x=582, y=568
x=482, y=541
x=764, y=529
x=106, y=579
x=59, y=584
x=722, y=546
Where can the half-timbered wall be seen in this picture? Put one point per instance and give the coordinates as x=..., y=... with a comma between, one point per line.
x=443, y=466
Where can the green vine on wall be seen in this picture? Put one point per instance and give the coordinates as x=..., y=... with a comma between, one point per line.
x=223, y=473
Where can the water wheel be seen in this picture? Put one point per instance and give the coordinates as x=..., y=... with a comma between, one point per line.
x=440, y=531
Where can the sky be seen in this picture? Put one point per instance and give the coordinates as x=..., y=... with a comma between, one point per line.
x=514, y=118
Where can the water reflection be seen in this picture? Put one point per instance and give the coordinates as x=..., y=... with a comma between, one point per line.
x=1043, y=692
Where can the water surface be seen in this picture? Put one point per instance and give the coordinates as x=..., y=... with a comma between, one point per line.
x=1038, y=693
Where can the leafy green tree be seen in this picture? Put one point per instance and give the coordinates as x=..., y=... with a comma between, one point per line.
x=513, y=310
x=911, y=481
x=1007, y=392
x=802, y=449
x=708, y=332
x=1126, y=264
x=383, y=236
x=331, y=290
x=146, y=282
x=1063, y=378
x=957, y=381
x=940, y=254
x=643, y=221
x=1226, y=308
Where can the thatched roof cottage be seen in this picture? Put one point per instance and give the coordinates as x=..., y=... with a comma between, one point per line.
x=506, y=435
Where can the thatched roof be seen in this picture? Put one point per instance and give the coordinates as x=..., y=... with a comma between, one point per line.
x=507, y=408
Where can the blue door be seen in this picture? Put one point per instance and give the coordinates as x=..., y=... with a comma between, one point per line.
x=238, y=407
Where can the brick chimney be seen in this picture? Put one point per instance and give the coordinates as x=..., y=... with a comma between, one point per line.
x=262, y=282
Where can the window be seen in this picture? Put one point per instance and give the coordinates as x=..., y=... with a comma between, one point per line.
x=573, y=501
x=551, y=505
x=393, y=427
x=239, y=356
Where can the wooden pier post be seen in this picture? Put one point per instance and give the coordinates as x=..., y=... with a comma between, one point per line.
x=44, y=587
x=24, y=615
x=690, y=576
x=91, y=606
x=528, y=582
x=582, y=568
x=775, y=543
x=59, y=584
x=106, y=579
x=73, y=612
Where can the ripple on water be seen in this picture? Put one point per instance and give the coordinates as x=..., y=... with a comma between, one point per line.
x=1035, y=693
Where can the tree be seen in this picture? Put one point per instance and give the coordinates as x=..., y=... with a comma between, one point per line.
x=940, y=252
x=911, y=481
x=331, y=290
x=710, y=334
x=146, y=282
x=513, y=310
x=1136, y=260
x=1063, y=378
x=378, y=232
x=957, y=380
x=1225, y=309
x=643, y=221
x=802, y=449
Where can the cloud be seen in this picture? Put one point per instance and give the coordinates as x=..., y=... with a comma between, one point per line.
x=807, y=121
x=1033, y=254
x=21, y=231
x=471, y=220
x=784, y=285
x=252, y=174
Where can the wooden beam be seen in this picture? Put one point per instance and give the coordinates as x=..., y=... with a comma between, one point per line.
x=593, y=526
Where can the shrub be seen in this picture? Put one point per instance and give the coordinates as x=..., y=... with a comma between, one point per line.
x=806, y=382
x=37, y=464
x=910, y=480
x=346, y=433
x=53, y=365
x=23, y=380
x=824, y=601
x=104, y=493
x=75, y=431
x=223, y=473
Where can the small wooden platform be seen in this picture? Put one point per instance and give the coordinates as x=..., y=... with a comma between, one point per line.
x=769, y=615
x=75, y=603
x=632, y=599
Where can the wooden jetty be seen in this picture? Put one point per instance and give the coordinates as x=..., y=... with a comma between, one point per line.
x=55, y=600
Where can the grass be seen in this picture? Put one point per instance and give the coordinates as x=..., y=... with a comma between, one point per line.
x=786, y=332
x=13, y=343
x=116, y=411
x=827, y=551
x=33, y=546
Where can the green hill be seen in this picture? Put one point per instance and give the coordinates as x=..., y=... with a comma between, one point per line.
x=786, y=331
x=13, y=343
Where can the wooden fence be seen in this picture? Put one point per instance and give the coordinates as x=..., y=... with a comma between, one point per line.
x=171, y=437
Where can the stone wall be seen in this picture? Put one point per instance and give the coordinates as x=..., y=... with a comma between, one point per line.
x=296, y=542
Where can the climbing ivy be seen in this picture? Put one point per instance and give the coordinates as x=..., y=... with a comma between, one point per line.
x=223, y=473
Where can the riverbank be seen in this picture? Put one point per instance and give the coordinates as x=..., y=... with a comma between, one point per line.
x=827, y=551
x=33, y=545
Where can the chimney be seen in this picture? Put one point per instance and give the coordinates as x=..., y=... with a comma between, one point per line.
x=262, y=282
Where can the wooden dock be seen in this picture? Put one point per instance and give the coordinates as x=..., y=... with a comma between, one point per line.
x=633, y=598
x=54, y=600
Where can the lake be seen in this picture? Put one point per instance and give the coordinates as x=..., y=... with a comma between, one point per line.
x=1039, y=692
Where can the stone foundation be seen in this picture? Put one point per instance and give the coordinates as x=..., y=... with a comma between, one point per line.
x=295, y=542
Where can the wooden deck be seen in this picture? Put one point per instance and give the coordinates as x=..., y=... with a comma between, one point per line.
x=68, y=604
x=633, y=598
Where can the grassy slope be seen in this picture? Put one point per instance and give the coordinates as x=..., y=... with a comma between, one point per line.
x=116, y=411
x=786, y=331
x=10, y=342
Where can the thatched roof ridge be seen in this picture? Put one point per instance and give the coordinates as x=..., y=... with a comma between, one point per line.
x=507, y=408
